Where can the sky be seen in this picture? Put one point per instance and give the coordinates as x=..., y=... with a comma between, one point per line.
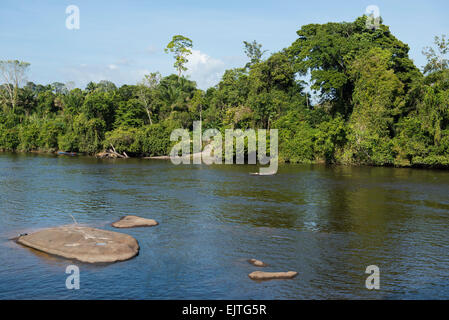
x=121, y=41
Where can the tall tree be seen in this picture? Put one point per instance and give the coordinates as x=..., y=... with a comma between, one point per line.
x=197, y=103
x=59, y=88
x=106, y=86
x=91, y=86
x=254, y=52
x=146, y=92
x=326, y=51
x=436, y=60
x=377, y=98
x=271, y=83
x=180, y=47
x=13, y=73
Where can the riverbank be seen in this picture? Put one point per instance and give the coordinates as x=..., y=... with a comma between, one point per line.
x=108, y=155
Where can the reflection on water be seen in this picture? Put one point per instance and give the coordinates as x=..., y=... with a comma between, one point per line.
x=327, y=223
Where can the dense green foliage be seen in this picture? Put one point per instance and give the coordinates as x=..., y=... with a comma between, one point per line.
x=371, y=104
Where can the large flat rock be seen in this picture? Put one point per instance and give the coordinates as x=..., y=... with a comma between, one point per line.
x=133, y=222
x=84, y=244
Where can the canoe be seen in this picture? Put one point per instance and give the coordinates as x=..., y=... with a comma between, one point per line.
x=67, y=153
x=261, y=174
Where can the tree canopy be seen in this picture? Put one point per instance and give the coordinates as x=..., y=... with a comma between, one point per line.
x=180, y=47
x=373, y=105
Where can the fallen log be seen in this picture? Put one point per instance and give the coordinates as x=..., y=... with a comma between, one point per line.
x=261, y=275
x=110, y=154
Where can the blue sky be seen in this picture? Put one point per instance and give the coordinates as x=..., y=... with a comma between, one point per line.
x=121, y=41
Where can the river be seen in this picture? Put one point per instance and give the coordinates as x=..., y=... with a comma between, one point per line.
x=327, y=223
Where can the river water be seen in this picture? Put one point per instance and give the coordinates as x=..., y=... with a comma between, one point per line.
x=327, y=223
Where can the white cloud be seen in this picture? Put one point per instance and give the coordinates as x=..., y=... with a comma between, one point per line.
x=112, y=66
x=203, y=69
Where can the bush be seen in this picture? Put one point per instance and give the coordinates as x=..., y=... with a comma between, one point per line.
x=123, y=140
x=49, y=133
x=154, y=140
x=89, y=133
x=29, y=136
x=9, y=138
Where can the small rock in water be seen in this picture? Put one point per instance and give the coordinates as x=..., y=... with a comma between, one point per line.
x=134, y=221
x=257, y=263
x=260, y=275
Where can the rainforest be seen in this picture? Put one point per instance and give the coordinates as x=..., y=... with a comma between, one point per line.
x=341, y=93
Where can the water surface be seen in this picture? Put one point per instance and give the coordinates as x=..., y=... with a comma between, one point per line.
x=327, y=223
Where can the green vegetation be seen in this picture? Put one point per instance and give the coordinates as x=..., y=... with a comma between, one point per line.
x=180, y=47
x=371, y=105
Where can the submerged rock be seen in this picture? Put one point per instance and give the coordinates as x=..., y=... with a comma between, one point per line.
x=84, y=244
x=134, y=221
x=257, y=263
x=260, y=275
